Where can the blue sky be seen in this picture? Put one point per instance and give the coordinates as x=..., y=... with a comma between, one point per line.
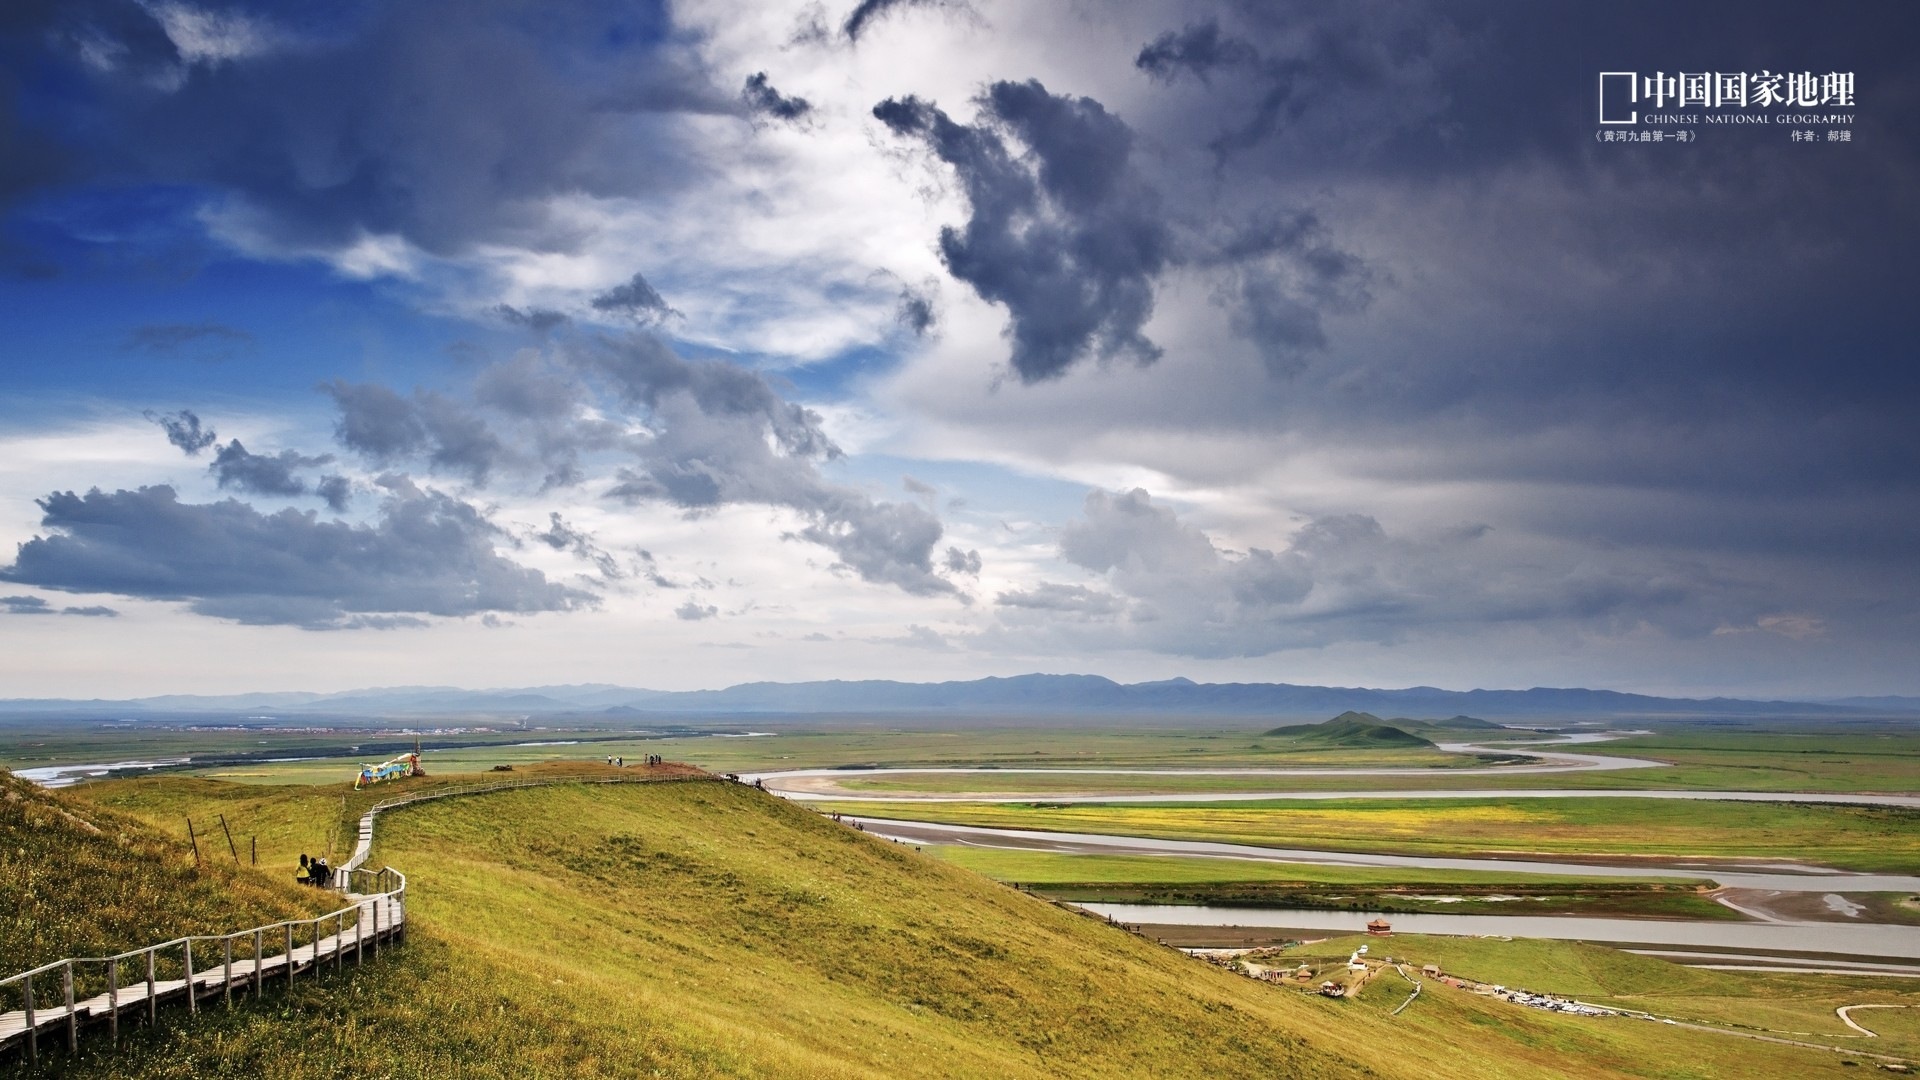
x=497, y=343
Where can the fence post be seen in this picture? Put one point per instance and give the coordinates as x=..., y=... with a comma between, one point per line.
x=339, y=937
x=259, y=946
x=73, y=1024
x=113, y=999
x=229, y=832
x=153, y=1006
x=289, y=956
x=195, y=841
x=186, y=961
x=226, y=968
x=33, y=1032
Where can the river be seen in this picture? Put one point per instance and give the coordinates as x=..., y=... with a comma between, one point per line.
x=1849, y=939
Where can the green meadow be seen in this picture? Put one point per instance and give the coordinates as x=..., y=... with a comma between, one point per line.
x=1868, y=838
x=699, y=928
x=1144, y=879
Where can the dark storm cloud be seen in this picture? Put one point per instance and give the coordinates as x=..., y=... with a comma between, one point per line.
x=429, y=554
x=634, y=298
x=91, y=611
x=444, y=123
x=205, y=341
x=1063, y=235
x=34, y=605
x=184, y=431
x=236, y=467
x=1197, y=49
x=1070, y=235
x=867, y=12
x=762, y=98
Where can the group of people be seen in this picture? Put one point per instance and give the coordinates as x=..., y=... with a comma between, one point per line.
x=621, y=763
x=314, y=872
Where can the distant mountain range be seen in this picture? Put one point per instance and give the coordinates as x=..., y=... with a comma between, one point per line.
x=1020, y=695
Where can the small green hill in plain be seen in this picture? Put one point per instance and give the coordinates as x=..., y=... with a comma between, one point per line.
x=1464, y=723
x=77, y=879
x=1353, y=730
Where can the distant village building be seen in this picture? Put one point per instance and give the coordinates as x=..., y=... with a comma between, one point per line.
x=1379, y=928
x=1432, y=971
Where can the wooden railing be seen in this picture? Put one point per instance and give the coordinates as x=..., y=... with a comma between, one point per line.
x=83, y=991
x=98, y=989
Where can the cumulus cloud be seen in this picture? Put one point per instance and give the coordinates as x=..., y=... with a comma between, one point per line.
x=691, y=434
x=695, y=611
x=234, y=466
x=336, y=491
x=184, y=431
x=721, y=435
x=962, y=562
x=386, y=427
x=1169, y=587
x=428, y=555
x=1069, y=599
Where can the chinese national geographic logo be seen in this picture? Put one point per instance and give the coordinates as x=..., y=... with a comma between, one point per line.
x=1622, y=91
x=1673, y=107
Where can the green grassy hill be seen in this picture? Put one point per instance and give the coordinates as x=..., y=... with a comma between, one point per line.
x=1352, y=729
x=702, y=928
x=77, y=879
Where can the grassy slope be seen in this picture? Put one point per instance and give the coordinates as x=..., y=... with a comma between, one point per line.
x=80, y=880
x=1869, y=838
x=706, y=929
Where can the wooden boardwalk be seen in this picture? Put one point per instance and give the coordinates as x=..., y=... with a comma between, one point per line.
x=59, y=999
